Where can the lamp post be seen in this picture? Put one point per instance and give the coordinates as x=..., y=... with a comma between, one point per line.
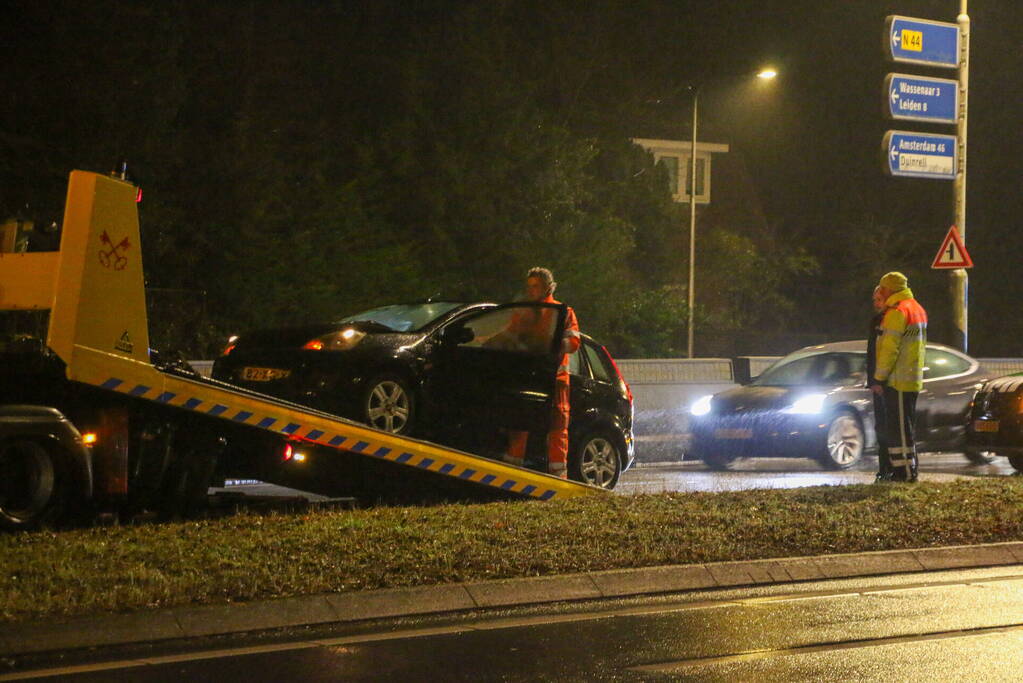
x=765, y=74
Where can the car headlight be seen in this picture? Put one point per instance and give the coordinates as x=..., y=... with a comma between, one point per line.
x=342, y=340
x=811, y=404
x=701, y=406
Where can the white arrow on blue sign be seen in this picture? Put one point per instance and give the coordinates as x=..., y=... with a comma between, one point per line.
x=920, y=155
x=921, y=41
x=920, y=98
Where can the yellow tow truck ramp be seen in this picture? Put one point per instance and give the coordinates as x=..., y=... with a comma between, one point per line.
x=94, y=287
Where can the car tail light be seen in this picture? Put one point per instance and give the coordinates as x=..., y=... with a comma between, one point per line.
x=231, y=343
x=342, y=340
x=291, y=454
x=623, y=386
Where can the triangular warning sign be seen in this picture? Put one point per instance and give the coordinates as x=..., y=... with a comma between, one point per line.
x=952, y=253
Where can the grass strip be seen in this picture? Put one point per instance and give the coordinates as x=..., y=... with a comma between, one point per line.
x=248, y=556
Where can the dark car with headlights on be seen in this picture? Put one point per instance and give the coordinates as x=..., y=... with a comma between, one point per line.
x=996, y=422
x=447, y=372
x=814, y=403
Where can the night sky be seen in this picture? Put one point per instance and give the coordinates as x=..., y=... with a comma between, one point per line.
x=812, y=146
x=821, y=147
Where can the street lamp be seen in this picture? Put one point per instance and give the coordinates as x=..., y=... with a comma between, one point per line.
x=766, y=75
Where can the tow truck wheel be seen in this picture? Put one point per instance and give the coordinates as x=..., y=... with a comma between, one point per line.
x=389, y=404
x=32, y=485
x=596, y=461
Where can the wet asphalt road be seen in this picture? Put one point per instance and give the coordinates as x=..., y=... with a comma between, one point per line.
x=791, y=473
x=952, y=626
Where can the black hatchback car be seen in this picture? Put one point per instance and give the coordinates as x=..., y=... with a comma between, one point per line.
x=444, y=371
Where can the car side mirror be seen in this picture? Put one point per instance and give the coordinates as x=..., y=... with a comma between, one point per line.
x=457, y=334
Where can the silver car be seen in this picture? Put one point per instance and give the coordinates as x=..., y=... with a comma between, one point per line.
x=814, y=403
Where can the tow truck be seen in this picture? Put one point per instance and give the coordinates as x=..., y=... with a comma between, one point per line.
x=92, y=420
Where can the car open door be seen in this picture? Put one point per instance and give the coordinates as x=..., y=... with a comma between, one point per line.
x=494, y=371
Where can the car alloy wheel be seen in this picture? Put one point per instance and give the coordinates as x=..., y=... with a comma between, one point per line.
x=845, y=441
x=389, y=405
x=599, y=464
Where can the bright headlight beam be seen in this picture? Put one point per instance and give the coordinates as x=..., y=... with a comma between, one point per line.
x=811, y=404
x=701, y=406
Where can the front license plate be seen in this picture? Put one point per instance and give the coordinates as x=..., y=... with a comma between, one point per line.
x=985, y=425
x=733, y=433
x=263, y=374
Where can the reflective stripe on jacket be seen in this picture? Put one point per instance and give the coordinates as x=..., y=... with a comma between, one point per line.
x=900, y=350
x=569, y=341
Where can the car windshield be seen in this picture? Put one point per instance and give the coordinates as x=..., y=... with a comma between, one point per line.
x=404, y=317
x=817, y=368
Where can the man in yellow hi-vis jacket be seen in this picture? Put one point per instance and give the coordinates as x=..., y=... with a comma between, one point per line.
x=900, y=369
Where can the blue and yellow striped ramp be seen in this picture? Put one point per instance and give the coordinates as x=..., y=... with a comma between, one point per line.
x=143, y=381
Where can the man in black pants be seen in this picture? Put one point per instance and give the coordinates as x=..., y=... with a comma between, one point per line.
x=900, y=368
x=884, y=468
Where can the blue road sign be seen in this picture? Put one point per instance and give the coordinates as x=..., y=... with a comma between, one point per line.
x=919, y=98
x=920, y=155
x=920, y=41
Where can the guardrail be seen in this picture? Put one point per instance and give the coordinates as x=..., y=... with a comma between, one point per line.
x=1001, y=366
x=203, y=367
x=662, y=390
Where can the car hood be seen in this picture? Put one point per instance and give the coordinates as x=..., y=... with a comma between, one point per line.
x=297, y=336
x=756, y=398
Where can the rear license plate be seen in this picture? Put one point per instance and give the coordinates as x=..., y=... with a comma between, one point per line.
x=263, y=374
x=985, y=425
x=733, y=433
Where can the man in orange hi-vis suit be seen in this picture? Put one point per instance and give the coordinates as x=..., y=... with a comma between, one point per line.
x=540, y=287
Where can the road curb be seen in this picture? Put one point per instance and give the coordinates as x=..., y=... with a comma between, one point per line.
x=47, y=635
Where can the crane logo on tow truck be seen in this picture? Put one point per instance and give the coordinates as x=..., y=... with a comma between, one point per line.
x=112, y=255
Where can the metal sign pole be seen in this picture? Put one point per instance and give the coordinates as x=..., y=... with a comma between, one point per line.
x=959, y=283
x=692, y=228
